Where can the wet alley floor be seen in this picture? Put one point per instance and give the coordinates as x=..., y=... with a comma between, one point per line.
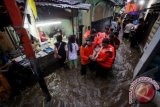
x=69, y=89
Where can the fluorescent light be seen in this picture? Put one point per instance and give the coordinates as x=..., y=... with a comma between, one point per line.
x=49, y=23
x=141, y=2
x=128, y=1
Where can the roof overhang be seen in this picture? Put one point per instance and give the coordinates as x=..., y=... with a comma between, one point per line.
x=83, y=6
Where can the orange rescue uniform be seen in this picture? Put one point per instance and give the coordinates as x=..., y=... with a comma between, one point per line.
x=85, y=52
x=101, y=36
x=87, y=33
x=106, y=57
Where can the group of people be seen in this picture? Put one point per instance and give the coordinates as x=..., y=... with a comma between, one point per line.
x=134, y=33
x=67, y=53
x=99, y=51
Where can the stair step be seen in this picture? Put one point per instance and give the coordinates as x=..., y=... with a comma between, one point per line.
x=154, y=30
x=150, y=38
x=152, y=34
x=156, y=25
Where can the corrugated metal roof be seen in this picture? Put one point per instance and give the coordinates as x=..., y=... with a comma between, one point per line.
x=60, y=5
x=74, y=4
x=53, y=12
x=71, y=2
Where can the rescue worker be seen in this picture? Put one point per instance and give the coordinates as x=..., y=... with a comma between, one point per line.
x=105, y=58
x=86, y=50
x=96, y=37
x=93, y=34
x=100, y=37
x=87, y=33
x=98, y=40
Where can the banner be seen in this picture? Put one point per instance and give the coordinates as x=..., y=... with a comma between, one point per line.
x=32, y=4
x=131, y=7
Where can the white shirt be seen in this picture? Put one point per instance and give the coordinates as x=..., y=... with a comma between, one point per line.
x=73, y=55
x=114, y=25
x=128, y=27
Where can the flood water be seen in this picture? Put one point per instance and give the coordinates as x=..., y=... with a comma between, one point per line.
x=69, y=89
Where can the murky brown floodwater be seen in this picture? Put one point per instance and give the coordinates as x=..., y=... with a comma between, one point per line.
x=69, y=89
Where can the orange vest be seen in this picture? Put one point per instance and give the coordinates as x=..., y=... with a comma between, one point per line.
x=106, y=56
x=86, y=35
x=101, y=36
x=85, y=52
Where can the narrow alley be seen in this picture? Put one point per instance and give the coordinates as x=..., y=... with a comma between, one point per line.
x=79, y=53
x=69, y=89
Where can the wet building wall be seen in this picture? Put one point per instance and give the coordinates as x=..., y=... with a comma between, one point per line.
x=150, y=2
x=99, y=10
x=65, y=26
x=86, y=18
x=101, y=24
x=67, y=17
x=102, y=10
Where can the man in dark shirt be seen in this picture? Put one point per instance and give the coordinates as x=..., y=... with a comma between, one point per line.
x=61, y=51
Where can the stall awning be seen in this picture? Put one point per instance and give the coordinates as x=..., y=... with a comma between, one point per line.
x=70, y=2
x=73, y=4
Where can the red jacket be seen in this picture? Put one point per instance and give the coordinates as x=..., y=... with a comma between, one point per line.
x=85, y=52
x=106, y=56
